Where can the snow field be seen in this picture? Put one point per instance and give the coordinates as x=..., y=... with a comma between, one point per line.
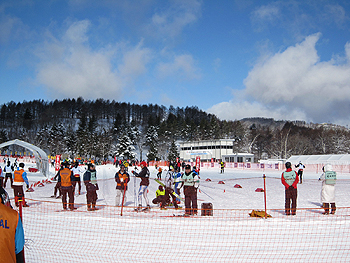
x=230, y=235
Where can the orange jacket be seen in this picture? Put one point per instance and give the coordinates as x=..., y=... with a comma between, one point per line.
x=8, y=225
x=18, y=176
x=65, y=176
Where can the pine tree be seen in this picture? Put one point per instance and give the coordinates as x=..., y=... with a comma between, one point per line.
x=125, y=149
x=173, y=152
x=152, y=142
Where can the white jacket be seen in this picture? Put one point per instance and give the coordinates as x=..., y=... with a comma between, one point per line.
x=328, y=191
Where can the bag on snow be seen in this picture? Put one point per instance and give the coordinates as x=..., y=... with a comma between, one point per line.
x=258, y=213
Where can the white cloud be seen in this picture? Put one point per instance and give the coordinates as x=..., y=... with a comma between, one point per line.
x=69, y=67
x=183, y=67
x=171, y=21
x=295, y=84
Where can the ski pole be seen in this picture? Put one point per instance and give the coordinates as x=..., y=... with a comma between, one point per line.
x=121, y=211
x=206, y=194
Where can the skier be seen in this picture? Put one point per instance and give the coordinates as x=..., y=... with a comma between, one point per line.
x=177, y=181
x=90, y=181
x=76, y=172
x=11, y=232
x=190, y=183
x=66, y=177
x=222, y=166
x=8, y=173
x=159, y=174
x=169, y=183
x=290, y=180
x=122, y=178
x=144, y=175
x=160, y=197
x=328, y=178
x=20, y=178
x=300, y=171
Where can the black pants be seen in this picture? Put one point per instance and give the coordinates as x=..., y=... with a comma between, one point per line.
x=75, y=182
x=7, y=176
x=190, y=200
x=300, y=174
x=291, y=201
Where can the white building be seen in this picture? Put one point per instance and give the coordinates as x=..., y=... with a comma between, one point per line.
x=221, y=149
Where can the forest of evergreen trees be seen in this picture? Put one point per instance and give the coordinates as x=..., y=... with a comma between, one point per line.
x=102, y=128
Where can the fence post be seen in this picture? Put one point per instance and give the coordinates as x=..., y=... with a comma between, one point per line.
x=20, y=205
x=264, y=177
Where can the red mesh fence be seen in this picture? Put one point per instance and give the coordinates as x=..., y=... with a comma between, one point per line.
x=229, y=235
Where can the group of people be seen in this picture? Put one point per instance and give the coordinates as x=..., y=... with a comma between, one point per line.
x=18, y=178
x=68, y=178
x=174, y=181
x=291, y=178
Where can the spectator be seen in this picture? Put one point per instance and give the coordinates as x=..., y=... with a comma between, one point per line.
x=290, y=180
x=90, y=181
x=328, y=178
x=66, y=177
x=190, y=182
x=20, y=178
x=122, y=178
x=12, y=236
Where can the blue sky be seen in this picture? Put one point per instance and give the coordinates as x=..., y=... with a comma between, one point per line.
x=245, y=58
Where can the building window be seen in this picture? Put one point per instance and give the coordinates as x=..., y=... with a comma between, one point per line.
x=240, y=159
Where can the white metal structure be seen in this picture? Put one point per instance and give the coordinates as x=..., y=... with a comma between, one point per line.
x=336, y=159
x=41, y=158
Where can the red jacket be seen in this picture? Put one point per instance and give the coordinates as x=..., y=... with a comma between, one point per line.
x=295, y=183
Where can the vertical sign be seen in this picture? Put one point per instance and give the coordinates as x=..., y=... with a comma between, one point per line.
x=198, y=163
x=58, y=163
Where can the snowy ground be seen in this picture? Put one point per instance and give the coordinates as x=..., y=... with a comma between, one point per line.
x=230, y=235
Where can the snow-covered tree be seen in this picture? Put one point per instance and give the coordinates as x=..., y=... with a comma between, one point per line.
x=152, y=143
x=173, y=152
x=125, y=149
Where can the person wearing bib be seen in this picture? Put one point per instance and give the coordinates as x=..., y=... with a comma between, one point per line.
x=328, y=179
x=290, y=180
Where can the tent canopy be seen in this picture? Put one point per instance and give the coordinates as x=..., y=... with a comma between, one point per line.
x=41, y=157
x=320, y=159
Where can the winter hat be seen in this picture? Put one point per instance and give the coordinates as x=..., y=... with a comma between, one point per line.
x=328, y=167
x=188, y=166
x=143, y=163
x=160, y=188
x=21, y=165
x=288, y=165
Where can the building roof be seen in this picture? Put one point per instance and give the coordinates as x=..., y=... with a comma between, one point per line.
x=320, y=159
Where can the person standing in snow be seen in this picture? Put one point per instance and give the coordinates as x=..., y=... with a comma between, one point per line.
x=222, y=166
x=11, y=232
x=177, y=187
x=290, y=180
x=159, y=174
x=20, y=179
x=66, y=177
x=328, y=179
x=76, y=172
x=144, y=175
x=190, y=182
x=122, y=178
x=8, y=173
x=169, y=184
x=300, y=171
x=90, y=181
